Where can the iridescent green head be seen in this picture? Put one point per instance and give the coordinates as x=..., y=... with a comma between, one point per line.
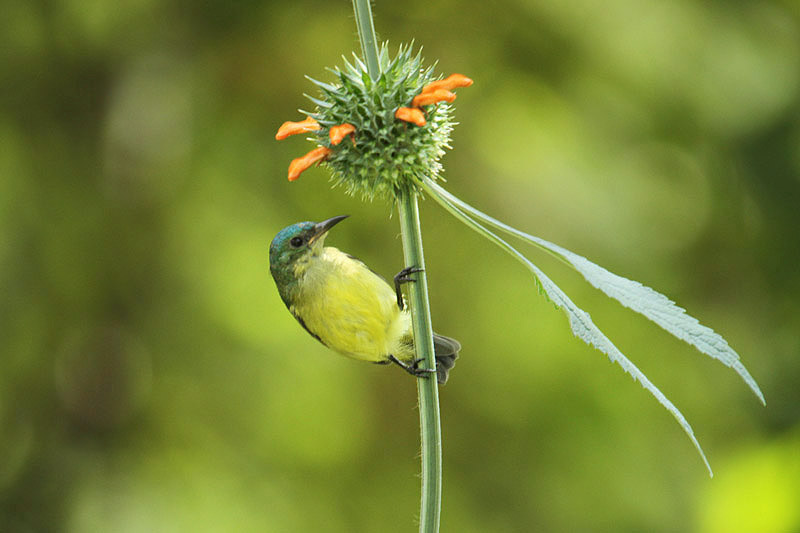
x=295, y=243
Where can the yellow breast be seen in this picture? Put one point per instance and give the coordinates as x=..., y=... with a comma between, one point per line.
x=350, y=308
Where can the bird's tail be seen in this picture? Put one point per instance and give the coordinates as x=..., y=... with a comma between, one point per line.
x=446, y=350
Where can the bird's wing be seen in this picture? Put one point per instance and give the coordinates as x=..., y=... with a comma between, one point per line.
x=305, y=327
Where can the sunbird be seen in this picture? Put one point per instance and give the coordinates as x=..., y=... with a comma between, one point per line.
x=345, y=305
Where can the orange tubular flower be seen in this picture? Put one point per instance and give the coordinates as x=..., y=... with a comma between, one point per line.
x=432, y=97
x=337, y=133
x=297, y=166
x=433, y=93
x=293, y=128
x=410, y=114
x=449, y=83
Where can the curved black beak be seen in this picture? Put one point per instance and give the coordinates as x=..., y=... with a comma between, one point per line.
x=322, y=228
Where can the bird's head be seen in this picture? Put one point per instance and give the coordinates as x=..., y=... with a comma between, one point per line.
x=298, y=241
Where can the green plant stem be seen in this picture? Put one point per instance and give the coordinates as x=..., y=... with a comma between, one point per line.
x=366, y=34
x=427, y=389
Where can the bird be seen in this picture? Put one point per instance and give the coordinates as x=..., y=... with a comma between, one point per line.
x=346, y=306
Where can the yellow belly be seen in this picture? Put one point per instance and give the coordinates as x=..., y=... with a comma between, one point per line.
x=351, y=309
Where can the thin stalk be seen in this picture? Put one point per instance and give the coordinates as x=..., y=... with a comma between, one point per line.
x=366, y=34
x=427, y=389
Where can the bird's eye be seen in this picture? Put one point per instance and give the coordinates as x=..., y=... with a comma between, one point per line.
x=296, y=242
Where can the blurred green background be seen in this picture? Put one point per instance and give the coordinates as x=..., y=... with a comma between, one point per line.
x=151, y=379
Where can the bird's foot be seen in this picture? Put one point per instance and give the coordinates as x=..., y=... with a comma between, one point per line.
x=404, y=276
x=413, y=368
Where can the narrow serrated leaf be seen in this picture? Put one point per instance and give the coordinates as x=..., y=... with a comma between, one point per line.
x=635, y=296
x=580, y=322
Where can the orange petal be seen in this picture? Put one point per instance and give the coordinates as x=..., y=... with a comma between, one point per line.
x=432, y=97
x=337, y=133
x=449, y=83
x=297, y=166
x=410, y=114
x=293, y=128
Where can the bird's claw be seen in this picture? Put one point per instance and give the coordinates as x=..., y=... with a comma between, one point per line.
x=404, y=276
x=413, y=368
x=420, y=372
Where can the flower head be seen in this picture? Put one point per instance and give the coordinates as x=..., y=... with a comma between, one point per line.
x=395, y=144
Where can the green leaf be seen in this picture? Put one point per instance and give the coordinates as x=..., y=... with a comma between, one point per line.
x=660, y=310
x=634, y=296
x=579, y=320
x=583, y=328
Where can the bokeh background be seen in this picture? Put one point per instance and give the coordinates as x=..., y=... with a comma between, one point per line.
x=151, y=379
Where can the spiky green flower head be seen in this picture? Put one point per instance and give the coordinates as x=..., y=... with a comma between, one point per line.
x=381, y=155
x=388, y=154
